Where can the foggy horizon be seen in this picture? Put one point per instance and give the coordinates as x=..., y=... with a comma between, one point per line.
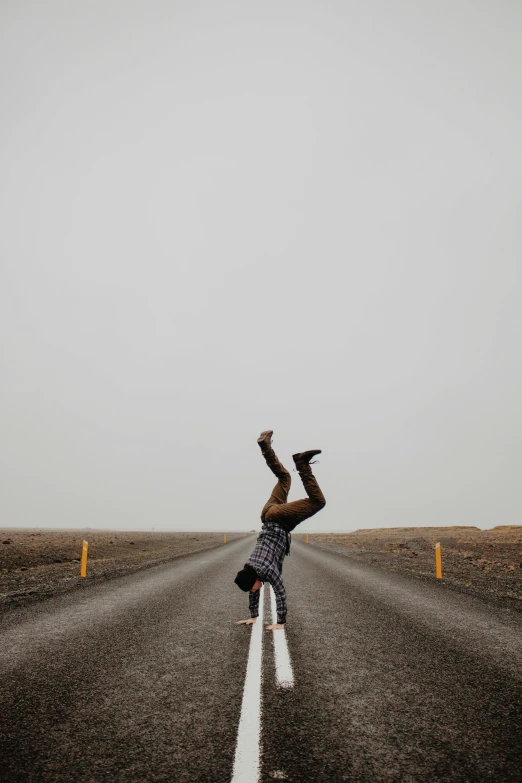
x=224, y=218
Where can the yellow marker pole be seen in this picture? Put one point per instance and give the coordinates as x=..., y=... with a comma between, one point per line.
x=438, y=562
x=225, y=538
x=306, y=539
x=83, y=568
x=244, y=534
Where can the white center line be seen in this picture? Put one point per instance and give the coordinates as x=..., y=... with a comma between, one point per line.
x=247, y=762
x=283, y=664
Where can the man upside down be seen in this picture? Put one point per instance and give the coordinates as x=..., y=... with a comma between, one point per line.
x=279, y=518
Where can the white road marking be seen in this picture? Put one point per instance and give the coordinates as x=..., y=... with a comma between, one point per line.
x=247, y=762
x=283, y=664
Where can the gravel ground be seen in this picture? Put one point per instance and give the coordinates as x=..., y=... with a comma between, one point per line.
x=38, y=563
x=482, y=562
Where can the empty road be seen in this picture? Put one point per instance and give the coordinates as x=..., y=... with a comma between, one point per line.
x=143, y=679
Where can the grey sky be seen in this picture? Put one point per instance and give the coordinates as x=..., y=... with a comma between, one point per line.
x=225, y=217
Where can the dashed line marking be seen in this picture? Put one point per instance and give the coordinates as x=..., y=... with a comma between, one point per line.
x=283, y=664
x=247, y=761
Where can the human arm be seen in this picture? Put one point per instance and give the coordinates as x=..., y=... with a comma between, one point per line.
x=253, y=603
x=274, y=578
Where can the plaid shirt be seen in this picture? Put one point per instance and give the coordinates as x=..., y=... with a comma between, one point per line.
x=273, y=543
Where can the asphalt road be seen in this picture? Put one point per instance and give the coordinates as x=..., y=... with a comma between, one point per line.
x=141, y=679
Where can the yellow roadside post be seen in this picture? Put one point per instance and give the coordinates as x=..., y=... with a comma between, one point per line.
x=83, y=567
x=244, y=534
x=306, y=542
x=438, y=562
x=225, y=538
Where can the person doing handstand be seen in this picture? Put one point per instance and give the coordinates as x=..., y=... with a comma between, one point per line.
x=279, y=518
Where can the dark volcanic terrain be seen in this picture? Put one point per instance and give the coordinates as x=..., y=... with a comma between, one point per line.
x=484, y=562
x=38, y=563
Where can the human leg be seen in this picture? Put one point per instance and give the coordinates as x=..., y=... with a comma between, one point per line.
x=288, y=515
x=280, y=491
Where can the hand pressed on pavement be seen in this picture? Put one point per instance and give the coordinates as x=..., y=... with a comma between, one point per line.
x=250, y=621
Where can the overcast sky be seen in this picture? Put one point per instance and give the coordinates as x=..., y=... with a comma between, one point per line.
x=223, y=217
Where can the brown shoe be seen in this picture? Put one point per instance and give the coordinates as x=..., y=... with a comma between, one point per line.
x=303, y=458
x=265, y=439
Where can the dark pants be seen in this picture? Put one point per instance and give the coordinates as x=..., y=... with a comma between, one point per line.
x=288, y=515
